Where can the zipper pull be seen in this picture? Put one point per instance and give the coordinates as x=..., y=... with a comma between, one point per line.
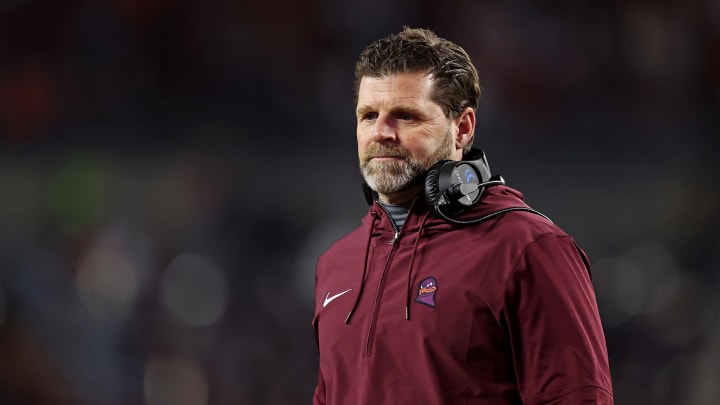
x=395, y=238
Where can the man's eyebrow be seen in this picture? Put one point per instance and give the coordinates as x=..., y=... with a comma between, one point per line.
x=362, y=110
x=400, y=109
x=406, y=109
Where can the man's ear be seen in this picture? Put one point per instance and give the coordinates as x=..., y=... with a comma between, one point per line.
x=466, y=128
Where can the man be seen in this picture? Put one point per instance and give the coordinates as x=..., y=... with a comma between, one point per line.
x=452, y=290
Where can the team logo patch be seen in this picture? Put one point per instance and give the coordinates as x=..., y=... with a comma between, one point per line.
x=426, y=292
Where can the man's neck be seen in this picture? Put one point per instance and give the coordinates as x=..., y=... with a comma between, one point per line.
x=404, y=197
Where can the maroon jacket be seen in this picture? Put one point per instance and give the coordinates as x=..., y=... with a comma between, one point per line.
x=499, y=312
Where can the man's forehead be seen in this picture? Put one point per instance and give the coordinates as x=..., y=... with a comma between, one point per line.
x=407, y=86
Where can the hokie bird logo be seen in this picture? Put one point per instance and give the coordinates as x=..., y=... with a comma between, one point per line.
x=426, y=292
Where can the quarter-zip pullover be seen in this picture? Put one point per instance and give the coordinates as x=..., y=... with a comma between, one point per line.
x=498, y=312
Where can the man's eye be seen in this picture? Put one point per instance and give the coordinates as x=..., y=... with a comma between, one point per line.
x=369, y=116
x=405, y=117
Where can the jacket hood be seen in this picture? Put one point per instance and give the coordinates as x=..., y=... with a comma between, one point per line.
x=493, y=200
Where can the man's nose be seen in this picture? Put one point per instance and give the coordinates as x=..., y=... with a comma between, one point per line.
x=383, y=130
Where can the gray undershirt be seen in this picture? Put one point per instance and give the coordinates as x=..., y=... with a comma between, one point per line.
x=397, y=212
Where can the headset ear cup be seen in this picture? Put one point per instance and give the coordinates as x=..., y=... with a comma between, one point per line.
x=451, y=186
x=432, y=184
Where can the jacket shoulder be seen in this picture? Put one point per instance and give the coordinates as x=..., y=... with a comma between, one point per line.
x=346, y=245
x=522, y=225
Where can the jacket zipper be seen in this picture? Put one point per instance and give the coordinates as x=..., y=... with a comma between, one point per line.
x=381, y=287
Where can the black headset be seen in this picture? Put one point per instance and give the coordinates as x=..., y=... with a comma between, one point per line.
x=453, y=186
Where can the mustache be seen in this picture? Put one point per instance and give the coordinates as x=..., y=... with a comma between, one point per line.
x=380, y=150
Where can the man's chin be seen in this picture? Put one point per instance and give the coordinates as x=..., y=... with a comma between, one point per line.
x=388, y=187
x=387, y=165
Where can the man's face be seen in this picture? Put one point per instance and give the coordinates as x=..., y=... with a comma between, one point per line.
x=401, y=133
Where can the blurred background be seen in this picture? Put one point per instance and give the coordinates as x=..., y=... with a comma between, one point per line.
x=171, y=169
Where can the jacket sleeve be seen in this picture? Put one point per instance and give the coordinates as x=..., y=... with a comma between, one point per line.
x=319, y=395
x=551, y=317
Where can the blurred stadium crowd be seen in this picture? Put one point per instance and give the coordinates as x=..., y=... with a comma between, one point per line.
x=170, y=170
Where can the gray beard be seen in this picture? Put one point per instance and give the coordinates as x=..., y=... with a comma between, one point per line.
x=391, y=177
x=399, y=175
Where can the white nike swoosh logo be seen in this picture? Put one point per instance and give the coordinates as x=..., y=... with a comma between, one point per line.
x=328, y=298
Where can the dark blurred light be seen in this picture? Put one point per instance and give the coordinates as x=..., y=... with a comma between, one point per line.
x=194, y=290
